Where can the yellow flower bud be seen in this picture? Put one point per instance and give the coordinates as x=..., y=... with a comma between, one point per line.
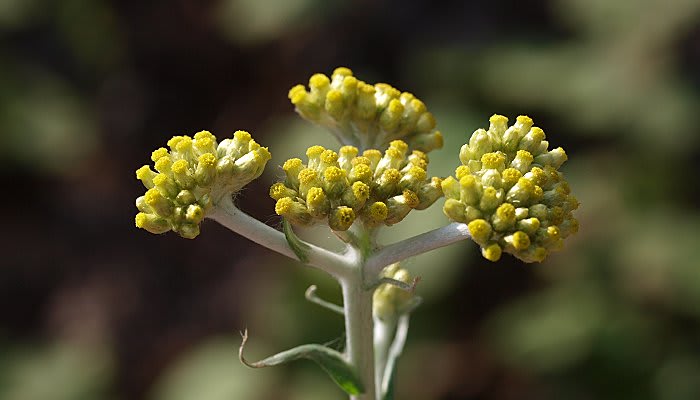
x=279, y=190
x=152, y=223
x=492, y=252
x=317, y=202
x=341, y=218
x=480, y=231
x=292, y=210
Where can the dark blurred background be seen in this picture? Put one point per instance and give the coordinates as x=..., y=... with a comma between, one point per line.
x=93, y=308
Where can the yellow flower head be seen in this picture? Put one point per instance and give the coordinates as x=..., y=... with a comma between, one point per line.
x=338, y=188
x=366, y=116
x=510, y=192
x=193, y=176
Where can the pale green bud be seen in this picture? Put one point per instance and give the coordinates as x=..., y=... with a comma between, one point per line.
x=341, y=218
x=490, y=199
x=451, y=188
x=455, y=210
x=399, y=206
x=279, y=190
x=504, y=217
x=317, y=202
x=492, y=252
x=292, y=168
x=528, y=225
x=480, y=231
x=376, y=213
x=356, y=195
x=428, y=194
x=152, y=223
x=469, y=191
x=145, y=174
x=334, y=181
x=293, y=211
x=185, y=197
x=166, y=185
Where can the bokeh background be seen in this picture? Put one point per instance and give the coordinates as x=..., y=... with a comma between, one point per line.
x=93, y=308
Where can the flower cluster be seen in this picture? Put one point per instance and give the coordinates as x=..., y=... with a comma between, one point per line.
x=364, y=115
x=510, y=193
x=192, y=177
x=340, y=187
x=389, y=299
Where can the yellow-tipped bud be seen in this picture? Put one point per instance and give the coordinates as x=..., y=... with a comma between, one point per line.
x=317, y=202
x=341, y=218
x=492, y=252
x=480, y=231
x=279, y=190
x=152, y=223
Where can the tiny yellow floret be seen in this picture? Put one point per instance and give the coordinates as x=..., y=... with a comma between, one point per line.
x=480, y=230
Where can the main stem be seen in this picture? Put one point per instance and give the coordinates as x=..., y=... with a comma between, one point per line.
x=359, y=330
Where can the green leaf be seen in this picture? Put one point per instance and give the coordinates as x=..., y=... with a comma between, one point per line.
x=299, y=247
x=328, y=359
x=394, y=352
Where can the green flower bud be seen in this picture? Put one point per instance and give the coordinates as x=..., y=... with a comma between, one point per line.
x=317, y=203
x=490, y=199
x=428, y=194
x=335, y=181
x=158, y=203
x=292, y=168
x=504, y=217
x=293, y=211
x=389, y=300
x=361, y=172
x=341, y=218
x=279, y=190
x=145, y=174
x=376, y=213
x=480, y=231
x=455, y=210
x=469, y=191
x=345, y=156
x=185, y=197
x=451, y=188
x=152, y=223
x=356, y=195
x=399, y=206
x=165, y=184
x=193, y=176
x=492, y=252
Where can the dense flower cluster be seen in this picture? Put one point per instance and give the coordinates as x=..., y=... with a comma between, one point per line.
x=510, y=193
x=391, y=300
x=363, y=115
x=192, y=177
x=340, y=187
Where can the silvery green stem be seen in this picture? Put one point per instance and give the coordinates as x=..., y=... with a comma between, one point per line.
x=357, y=302
x=416, y=245
x=383, y=337
x=226, y=214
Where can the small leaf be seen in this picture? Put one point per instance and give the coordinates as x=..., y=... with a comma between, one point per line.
x=297, y=245
x=329, y=360
x=394, y=352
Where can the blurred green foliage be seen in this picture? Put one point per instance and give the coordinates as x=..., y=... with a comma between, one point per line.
x=88, y=87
